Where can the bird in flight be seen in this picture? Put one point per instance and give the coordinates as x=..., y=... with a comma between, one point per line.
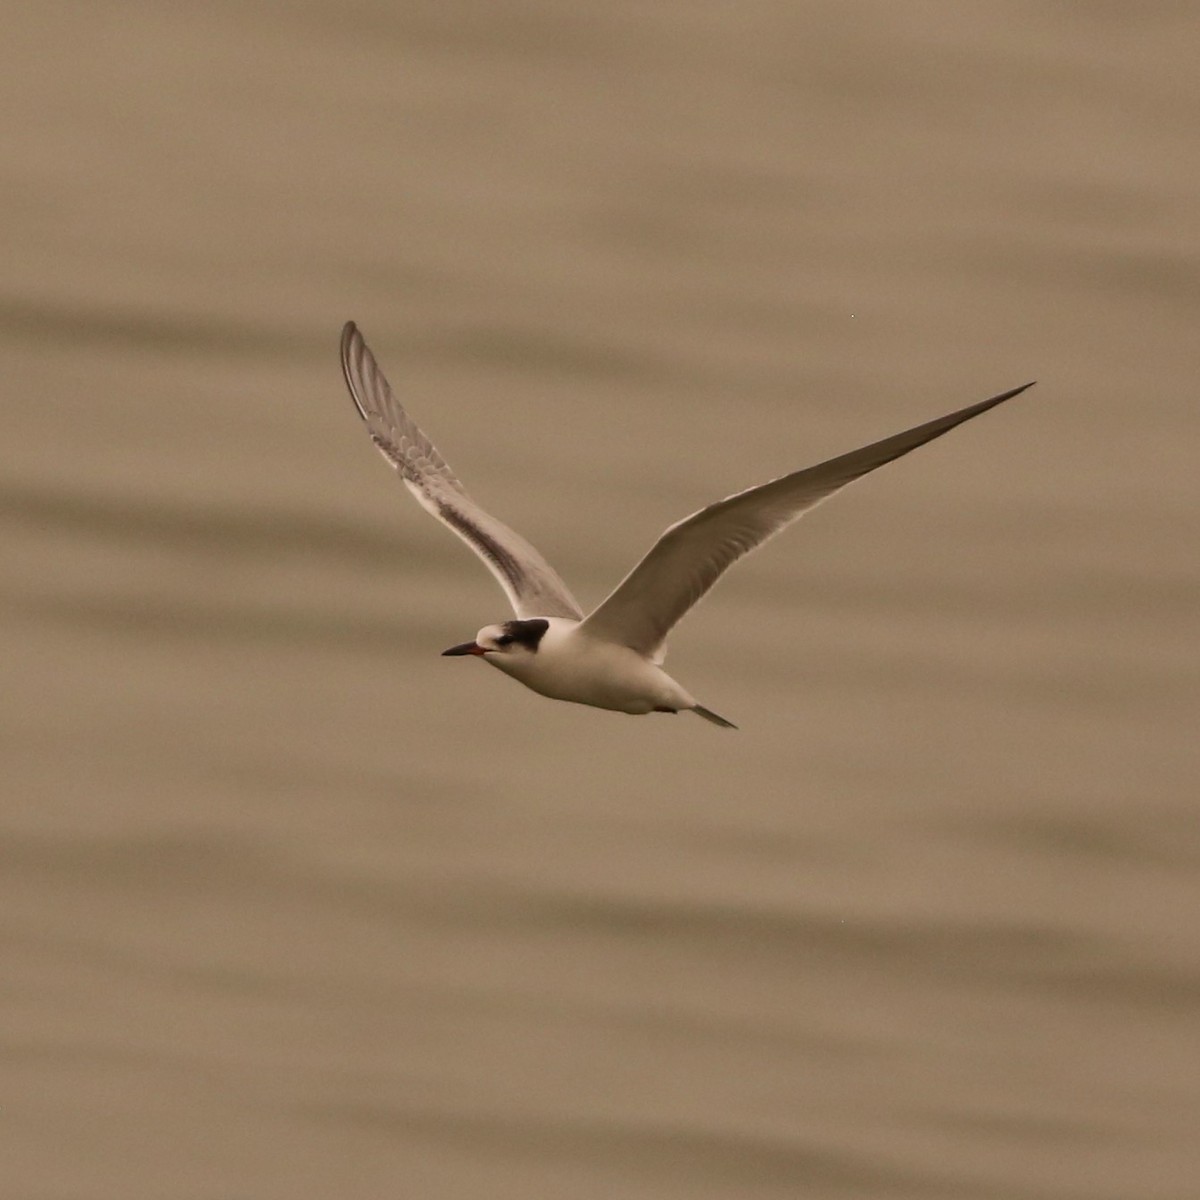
x=612, y=658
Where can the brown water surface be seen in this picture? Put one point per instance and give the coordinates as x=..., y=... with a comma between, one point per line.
x=294, y=907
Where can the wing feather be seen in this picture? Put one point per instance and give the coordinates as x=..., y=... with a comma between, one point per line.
x=533, y=587
x=693, y=554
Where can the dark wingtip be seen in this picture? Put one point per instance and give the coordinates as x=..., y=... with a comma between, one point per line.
x=350, y=335
x=1013, y=392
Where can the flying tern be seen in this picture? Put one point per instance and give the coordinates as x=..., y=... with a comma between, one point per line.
x=612, y=658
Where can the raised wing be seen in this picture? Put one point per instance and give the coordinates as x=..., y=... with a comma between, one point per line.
x=531, y=584
x=693, y=554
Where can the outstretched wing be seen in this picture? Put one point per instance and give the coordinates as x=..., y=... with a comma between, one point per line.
x=531, y=584
x=693, y=554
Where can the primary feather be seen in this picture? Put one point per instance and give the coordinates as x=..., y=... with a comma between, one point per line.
x=531, y=584
x=694, y=553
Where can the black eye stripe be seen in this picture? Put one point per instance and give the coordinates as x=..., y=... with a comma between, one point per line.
x=528, y=632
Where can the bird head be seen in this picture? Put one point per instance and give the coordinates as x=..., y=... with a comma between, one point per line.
x=510, y=641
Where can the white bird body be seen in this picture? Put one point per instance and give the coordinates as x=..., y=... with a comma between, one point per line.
x=572, y=664
x=613, y=657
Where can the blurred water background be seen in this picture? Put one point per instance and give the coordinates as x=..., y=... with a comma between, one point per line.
x=294, y=907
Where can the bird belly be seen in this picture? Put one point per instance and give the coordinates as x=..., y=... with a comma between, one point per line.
x=602, y=675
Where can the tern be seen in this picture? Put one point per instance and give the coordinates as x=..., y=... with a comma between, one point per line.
x=613, y=657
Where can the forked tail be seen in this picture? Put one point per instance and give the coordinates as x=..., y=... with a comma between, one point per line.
x=709, y=715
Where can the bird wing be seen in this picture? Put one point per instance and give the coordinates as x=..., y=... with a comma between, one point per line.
x=693, y=554
x=531, y=584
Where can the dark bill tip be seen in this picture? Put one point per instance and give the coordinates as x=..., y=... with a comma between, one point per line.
x=465, y=648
